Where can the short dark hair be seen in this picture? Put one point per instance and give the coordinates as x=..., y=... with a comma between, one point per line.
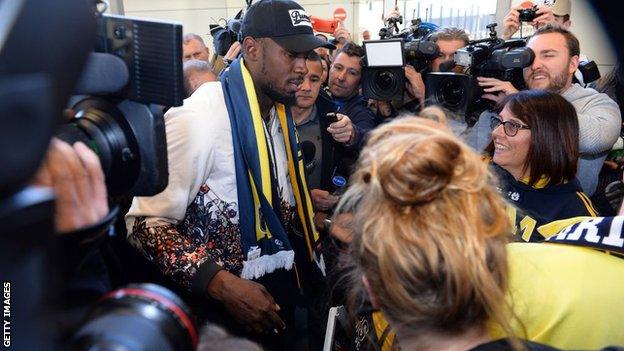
x=352, y=49
x=554, y=149
x=314, y=56
x=571, y=41
x=450, y=33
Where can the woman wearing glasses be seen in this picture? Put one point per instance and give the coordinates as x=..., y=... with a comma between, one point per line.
x=535, y=151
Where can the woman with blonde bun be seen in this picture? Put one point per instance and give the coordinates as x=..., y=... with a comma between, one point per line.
x=429, y=237
x=429, y=241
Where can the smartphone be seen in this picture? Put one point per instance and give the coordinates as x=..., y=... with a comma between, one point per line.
x=332, y=117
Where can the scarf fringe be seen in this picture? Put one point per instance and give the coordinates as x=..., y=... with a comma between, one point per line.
x=256, y=268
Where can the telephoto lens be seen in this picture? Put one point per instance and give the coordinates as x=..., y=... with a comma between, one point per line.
x=138, y=317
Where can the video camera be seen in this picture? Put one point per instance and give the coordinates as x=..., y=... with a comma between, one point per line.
x=135, y=66
x=226, y=35
x=383, y=77
x=490, y=57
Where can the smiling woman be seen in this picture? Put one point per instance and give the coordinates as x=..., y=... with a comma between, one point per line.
x=534, y=149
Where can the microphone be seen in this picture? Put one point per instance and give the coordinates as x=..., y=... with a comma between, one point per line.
x=309, y=152
x=447, y=66
x=103, y=74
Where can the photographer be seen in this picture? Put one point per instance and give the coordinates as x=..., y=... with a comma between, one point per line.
x=556, y=60
x=232, y=231
x=448, y=40
x=355, y=119
x=544, y=14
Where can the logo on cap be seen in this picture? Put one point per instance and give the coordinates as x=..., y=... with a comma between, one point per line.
x=299, y=18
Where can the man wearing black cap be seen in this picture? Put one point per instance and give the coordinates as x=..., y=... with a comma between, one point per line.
x=235, y=222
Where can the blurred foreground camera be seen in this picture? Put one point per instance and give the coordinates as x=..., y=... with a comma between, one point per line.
x=491, y=57
x=383, y=77
x=136, y=67
x=138, y=317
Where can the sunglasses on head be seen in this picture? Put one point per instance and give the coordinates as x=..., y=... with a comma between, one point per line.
x=511, y=128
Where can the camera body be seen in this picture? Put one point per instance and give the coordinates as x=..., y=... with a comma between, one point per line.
x=226, y=35
x=383, y=77
x=527, y=15
x=136, y=66
x=491, y=57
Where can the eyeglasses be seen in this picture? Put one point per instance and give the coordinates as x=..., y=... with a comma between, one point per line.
x=511, y=128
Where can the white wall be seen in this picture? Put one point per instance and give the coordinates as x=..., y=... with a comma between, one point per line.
x=197, y=15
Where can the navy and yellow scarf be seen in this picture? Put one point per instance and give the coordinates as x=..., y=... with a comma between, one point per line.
x=264, y=239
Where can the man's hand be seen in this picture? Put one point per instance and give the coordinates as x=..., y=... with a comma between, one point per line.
x=341, y=34
x=544, y=16
x=511, y=22
x=498, y=89
x=342, y=227
x=414, y=84
x=342, y=130
x=233, y=51
x=75, y=175
x=249, y=302
x=323, y=200
x=383, y=108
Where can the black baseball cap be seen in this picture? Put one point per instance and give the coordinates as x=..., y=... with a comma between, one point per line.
x=284, y=21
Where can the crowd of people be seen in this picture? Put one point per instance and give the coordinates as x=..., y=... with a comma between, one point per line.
x=288, y=195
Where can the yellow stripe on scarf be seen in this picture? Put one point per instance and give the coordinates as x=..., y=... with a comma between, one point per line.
x=263, y=154
x=301, y=209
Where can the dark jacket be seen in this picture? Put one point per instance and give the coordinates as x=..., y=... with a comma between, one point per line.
x=535, y=206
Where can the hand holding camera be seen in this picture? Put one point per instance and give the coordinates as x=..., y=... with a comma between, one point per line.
x=414, y=83
x=75, y=175
x=537, y=16
x=340, y=127
x=495, y=89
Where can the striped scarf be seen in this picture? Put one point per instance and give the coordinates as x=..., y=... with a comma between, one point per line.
x=264, y=239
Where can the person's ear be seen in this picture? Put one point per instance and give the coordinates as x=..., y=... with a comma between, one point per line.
x=252, y=49
x=371, y=296
x=574, y=63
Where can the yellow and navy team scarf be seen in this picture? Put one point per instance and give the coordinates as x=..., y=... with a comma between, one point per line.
x=264, y=240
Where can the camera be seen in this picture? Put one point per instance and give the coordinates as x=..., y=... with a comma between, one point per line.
x=490, y=57
x=383, y=77
x=226, y=35
x=135, y=67
x=527, y=15
x=137, y=317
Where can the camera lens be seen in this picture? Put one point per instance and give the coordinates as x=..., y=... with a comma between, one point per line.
x=102, y=127
x=138, y=317
x=128, y=137
x=450, y=93
x=385, y=80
